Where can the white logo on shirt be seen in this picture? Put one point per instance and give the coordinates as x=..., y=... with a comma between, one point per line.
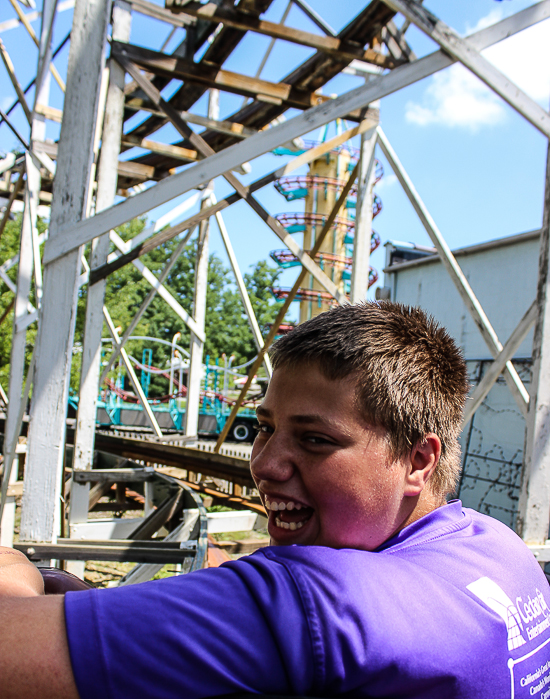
x=496, y=599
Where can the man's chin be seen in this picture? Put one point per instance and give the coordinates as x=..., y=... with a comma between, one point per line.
x=281, y=536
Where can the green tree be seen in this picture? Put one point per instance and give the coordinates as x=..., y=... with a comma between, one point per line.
x=227, y=329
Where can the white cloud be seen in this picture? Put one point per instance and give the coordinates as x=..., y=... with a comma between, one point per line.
x=386, y=182
x=6, y=103
x=456, y=98
x=494, y=16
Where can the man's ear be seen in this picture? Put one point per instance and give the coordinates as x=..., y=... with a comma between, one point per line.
x=423, y=460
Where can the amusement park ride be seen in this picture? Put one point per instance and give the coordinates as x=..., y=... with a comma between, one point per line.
x=122, y=96
x=320, y=189
x=117, y=407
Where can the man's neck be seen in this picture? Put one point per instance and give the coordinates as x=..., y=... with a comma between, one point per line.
x=425, y=503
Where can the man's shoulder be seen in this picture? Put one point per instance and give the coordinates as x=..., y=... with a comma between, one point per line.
x=449, y=539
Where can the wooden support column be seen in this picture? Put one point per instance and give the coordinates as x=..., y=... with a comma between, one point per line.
x=91, y=351
x=27, y=251
x=196, y=347
x=534, y=504
x=363, y=219
x=46, y=446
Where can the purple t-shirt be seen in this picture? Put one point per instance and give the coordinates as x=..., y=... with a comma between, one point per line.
x=455, y=605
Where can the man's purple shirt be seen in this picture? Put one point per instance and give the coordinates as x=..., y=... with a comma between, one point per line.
x=454, y=605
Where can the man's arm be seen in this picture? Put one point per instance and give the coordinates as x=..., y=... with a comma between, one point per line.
x=34, y=655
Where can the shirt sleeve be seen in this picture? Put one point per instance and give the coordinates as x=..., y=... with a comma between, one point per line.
x=237, y=628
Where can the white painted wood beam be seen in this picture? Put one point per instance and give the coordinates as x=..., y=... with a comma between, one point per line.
x=46, y=440
x=93, y=324
x=462, y=285
x=229, y=158
x=497, y=367
x=241, y=286
x=24, y=312
x=359, y=285
x=533, y=521
x=196, y=345
x=302, y=159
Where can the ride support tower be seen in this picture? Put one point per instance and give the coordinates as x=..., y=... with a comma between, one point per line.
x=320, y=190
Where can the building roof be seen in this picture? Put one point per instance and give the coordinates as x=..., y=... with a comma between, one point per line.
x=470, y=250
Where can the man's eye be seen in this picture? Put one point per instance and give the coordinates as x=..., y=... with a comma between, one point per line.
x=263, y=429
x=318, y=439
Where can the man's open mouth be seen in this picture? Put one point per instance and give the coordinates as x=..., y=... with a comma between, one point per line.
x=290, y=513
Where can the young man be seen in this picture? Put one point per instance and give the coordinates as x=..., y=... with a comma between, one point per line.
x=373, y=585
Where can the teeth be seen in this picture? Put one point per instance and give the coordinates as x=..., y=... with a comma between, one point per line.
x=289, y=525
x=280, y=506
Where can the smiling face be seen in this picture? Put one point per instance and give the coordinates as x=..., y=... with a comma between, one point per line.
x=325, y=476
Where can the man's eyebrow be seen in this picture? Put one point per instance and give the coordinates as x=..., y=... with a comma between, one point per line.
x=299, y=419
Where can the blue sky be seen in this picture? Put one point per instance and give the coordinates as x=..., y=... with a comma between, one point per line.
x=478, y=165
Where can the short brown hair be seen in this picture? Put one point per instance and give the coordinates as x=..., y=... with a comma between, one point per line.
x=411, y=376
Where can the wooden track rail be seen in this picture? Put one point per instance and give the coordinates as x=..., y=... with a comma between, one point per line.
x=215, y=465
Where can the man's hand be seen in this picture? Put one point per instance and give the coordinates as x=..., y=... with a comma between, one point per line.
x=18, y=576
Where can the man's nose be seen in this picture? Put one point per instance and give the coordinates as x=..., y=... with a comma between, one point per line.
x=272, y=460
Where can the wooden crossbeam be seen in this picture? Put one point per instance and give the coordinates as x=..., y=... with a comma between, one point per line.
x=229, y=17
x=231, y=128
x=211, y=76
x=184, y=154
x=8, y=188
x=126, y=168
x=50, y=113
x=149, y=9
